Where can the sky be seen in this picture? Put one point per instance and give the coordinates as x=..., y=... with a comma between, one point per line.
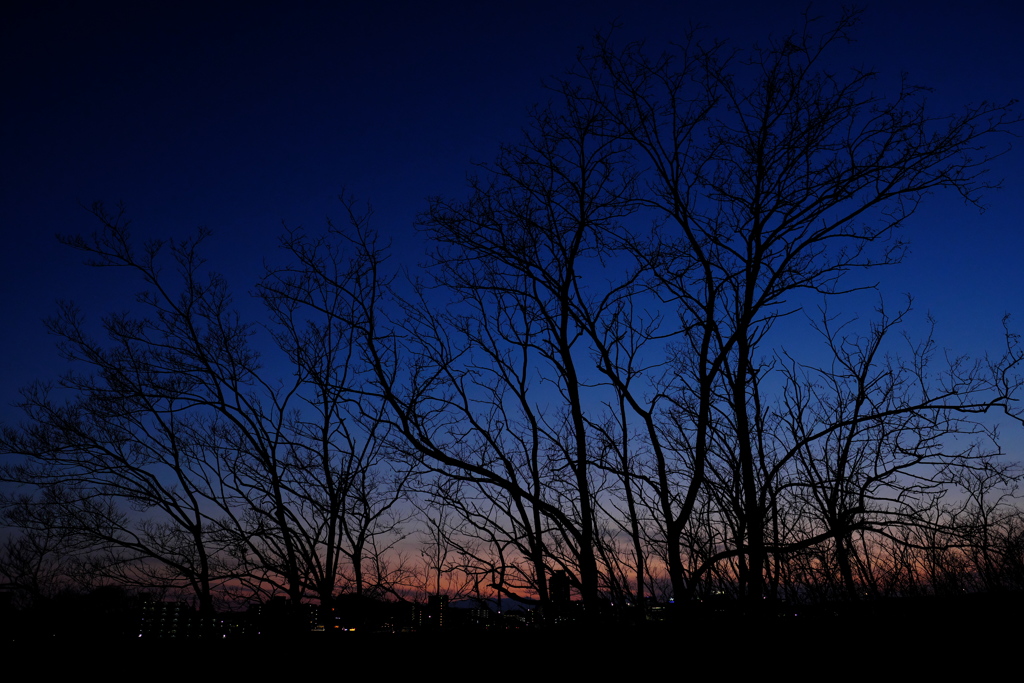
x=244, y=116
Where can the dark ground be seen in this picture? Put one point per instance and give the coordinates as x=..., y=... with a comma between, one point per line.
x=982, y=633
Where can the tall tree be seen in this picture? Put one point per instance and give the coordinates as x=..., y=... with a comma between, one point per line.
x=519, y=258
x=133, y=432
x=177, y=446
x=347, y=484
x=767, y=175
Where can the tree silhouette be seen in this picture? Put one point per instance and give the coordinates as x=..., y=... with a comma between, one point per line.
x=571, y=331
x=178, y=455
x=766, y=175
x=587, y=377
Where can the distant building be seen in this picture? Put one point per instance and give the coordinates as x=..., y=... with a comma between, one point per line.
x=559, y=587
x=433, y=615
x=159, y=619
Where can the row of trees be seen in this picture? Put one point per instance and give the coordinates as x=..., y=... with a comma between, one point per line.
x=181, y=459
x=587, y=375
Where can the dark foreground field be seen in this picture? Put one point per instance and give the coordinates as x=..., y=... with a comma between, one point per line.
x=883, y=640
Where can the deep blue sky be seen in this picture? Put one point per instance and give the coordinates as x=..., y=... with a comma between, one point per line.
x=241, y=116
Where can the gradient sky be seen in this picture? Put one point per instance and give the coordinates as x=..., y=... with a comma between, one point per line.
x=241, y=116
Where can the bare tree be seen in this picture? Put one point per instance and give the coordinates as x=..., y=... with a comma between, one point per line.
x=347, y=483
x=176, y=448
x=588, y=369
x=768, y=175
x=44, y=557
x=510, y=354
x=574, y=346
x=879, y=435
x=128, y=435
